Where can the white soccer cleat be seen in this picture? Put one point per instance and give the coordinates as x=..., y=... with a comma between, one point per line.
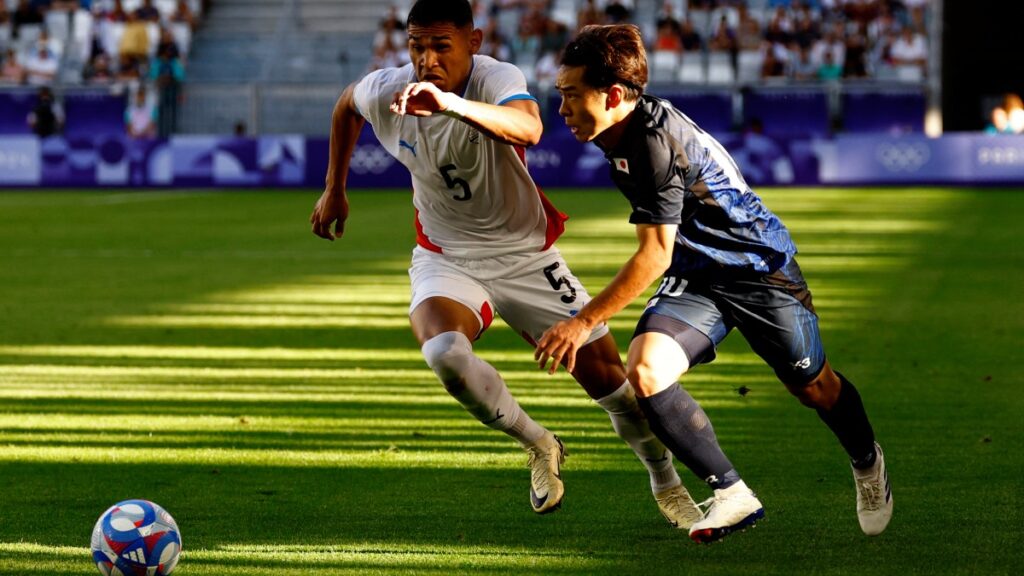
x=734, y=508
x=874, y=496
x=545, y=463
x=678, y=507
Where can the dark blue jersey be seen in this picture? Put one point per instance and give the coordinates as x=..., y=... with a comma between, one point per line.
x=672, y=172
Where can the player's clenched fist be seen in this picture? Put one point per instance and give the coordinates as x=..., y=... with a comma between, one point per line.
x=421, y=99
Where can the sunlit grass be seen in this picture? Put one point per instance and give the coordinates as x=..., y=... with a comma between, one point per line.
x=264, y=387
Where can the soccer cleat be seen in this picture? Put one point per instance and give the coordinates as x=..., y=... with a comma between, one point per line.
x=545, y=463
x=731, y=509
x=678, y=507
x=874, y=496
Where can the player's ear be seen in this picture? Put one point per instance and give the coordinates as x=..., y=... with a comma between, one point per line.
x=615, y=96
x=476, y=38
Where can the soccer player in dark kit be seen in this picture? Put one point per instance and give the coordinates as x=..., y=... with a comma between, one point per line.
x=727, y=262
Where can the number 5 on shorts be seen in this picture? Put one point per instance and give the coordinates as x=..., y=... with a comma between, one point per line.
x=556, y=283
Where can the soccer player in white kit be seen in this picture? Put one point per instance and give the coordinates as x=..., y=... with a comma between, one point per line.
x=460, y=123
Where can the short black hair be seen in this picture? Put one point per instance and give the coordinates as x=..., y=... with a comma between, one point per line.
x=427, y=12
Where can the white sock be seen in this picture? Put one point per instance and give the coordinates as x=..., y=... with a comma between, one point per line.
x=479, y=387
x=631, y=425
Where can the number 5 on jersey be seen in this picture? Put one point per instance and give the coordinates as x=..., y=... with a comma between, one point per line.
x=453, y=182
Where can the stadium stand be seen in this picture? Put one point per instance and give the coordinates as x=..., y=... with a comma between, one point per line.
x=276, y=66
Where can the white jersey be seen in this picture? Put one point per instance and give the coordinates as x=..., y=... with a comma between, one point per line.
x=474, y=197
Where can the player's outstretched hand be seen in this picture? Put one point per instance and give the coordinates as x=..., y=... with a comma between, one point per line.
x=561, y=342
x=419, y=99
x=331, y=208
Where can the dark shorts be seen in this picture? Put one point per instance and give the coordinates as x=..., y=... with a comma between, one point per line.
x=773, y=312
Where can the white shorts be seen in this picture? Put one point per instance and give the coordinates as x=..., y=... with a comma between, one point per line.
x=531, y=292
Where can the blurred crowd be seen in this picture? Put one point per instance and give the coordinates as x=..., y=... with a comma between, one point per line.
x=129, y=44
x=1007, y=117
x=709, y=41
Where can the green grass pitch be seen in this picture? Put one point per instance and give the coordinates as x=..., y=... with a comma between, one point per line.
x=207, y=352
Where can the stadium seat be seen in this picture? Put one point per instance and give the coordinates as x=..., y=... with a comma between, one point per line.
x=110, y=37
x=664, y=65
x=749, y=63
x=153, y=31
x=182, y=37
x=57, y=25
x=909, y=73
x=720, y=69
x=691, y=71
x=5, y=36
x=81, y=34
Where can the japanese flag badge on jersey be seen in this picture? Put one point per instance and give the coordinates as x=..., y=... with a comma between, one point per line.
x=621, y=165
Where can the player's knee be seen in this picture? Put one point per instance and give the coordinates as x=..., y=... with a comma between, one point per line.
x=646, y=378
x=820, y=393
x=449, y=354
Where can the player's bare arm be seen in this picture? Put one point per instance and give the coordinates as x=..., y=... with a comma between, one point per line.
x=653, y=256
x=332, y=207
x=516, y=122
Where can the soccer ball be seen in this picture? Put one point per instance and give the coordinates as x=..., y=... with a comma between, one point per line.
x=136, y=538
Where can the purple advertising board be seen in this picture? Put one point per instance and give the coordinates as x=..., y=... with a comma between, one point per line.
x=114, y=160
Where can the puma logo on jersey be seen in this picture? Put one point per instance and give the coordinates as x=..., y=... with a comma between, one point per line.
x=411, y=147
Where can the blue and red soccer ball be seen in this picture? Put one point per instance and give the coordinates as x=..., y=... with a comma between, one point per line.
x=136, y=538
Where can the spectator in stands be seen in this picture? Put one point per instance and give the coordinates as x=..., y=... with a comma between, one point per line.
x=65, y=5
x=147, y=12
x=589, y=14
x=829, y=70
x=802, y=68
x=667, y=37
x=691, y=40
x=47, y=116
x=481, y=15
x=41, y=67
x=999, y=122
x=1009, y=118
x=24, y=14
x=554, y=37
x=526, y=44
x=772, y=66
x=855, y=53
x=834, y=43
x=140, y=116
x=618, y=11
x=183, y=14
x=1014, y=113
x=724, y=38
x=115, y=14
x=910, y=49
x=168, y=43
x=128, y=70
x=748, y=34
x=494, y=44
x=167, y=74
x=98, y=71
x=12, y=72
x=780, y=27
x=135, y=41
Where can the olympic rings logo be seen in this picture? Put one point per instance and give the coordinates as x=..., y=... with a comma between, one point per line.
x=903, y=157
x=370, y=159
